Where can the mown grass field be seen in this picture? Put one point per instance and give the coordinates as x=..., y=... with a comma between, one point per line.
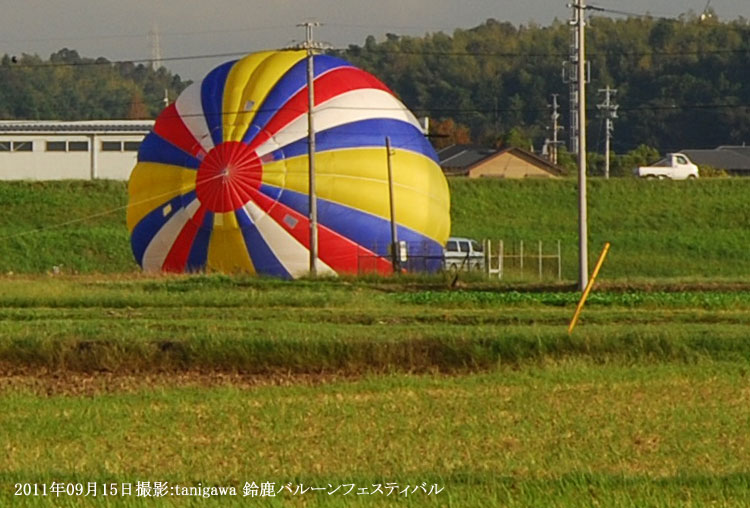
x=217, y=380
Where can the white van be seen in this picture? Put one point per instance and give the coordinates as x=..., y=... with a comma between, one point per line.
x=463, y=254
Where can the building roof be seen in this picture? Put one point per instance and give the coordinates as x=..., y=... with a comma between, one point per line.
x=83, y=127
x=460, y=159
x=728, y=158
x=742, y=150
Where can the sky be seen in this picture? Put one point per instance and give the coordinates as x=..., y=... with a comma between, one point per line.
x=189, y=29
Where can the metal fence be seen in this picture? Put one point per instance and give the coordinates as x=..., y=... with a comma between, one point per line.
x=522, y=260
x=502, y=260
x=417, y=257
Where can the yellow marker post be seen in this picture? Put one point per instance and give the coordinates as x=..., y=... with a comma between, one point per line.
x=588, y=287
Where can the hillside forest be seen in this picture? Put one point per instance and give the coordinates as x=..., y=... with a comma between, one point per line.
x=681, y=83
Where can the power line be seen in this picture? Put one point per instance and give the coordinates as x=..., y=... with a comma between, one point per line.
x=105, y=62
x=599, y=8
x=88, y=62
x=443, y=111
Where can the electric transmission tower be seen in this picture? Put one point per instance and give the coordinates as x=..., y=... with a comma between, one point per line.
x=155, y=47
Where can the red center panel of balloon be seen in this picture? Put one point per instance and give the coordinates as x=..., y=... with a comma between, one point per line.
x=227, y=176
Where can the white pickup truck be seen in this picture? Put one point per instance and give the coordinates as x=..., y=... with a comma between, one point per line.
x=676, y=166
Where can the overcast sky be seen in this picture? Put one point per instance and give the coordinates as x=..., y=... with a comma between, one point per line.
x=119, y=29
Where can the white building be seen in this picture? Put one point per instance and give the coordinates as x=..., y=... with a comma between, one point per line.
x=53, y=150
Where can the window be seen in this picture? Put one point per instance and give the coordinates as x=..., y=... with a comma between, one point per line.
x=464, y=246
x=4, y=146
x=132, y=146
x=78, y=146
x=111, y=146
x=681, y=160
x=476, y=246
x=56, y=146
x=23, y=146
x=451, y=246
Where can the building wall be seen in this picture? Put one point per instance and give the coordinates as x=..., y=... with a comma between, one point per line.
x=44, y=162
x=508, y=165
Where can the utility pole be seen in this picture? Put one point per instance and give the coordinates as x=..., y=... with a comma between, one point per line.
x=579, y=9
x=610, y=113
x=555, y=129
x=310, y=46
x=395, y=251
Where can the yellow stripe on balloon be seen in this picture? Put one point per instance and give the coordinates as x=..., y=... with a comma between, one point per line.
x=151, y=184
x=227, y=251
x=249, y=82
x=358, y=178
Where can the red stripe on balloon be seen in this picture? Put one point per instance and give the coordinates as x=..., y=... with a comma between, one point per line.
x=327, y=86
x=170, y=127
x=176, y=260
x=335, y=250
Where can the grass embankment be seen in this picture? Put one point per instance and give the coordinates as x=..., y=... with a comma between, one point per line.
x=657, y=229
x=77, y=226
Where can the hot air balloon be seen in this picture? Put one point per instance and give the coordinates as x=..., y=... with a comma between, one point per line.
x=221, y=182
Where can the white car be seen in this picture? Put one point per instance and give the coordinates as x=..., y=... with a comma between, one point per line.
x=463, y=254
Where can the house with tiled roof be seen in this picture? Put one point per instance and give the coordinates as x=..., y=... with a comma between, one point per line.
x=735, y=160
x=481, y=162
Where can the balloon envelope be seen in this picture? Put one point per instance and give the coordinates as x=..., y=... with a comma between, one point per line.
x=222, y=182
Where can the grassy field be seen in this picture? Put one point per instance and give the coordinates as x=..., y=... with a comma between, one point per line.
x=567, y=434
x=657, y=229
x=471, y=387
x=480, y=391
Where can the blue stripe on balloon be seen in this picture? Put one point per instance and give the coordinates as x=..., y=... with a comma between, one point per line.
x=199, y=250
x=154, y=148
x=369, y=231
x=290, y=83
x=150, y=225
x=364, y=134
x=212, y=99
x=264, y=260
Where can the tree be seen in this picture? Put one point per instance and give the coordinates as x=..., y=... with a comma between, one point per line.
x=681, y=83
x=447, y=132
x=71, y=87
x=138, y=109
x=641, y=156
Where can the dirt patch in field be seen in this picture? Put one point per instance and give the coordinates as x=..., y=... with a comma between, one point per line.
x=45, y=382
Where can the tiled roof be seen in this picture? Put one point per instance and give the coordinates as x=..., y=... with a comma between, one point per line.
x=463, y=156
x=742, y=150
x=721, y=158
